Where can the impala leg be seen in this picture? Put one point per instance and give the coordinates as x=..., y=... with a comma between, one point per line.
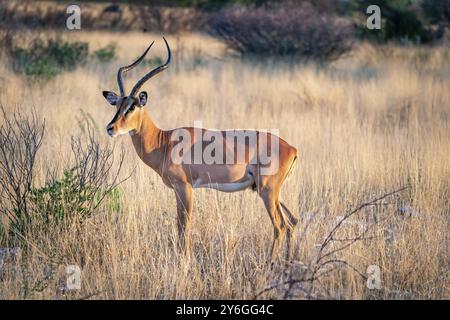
x=290, y=233
x=279, y=225
x=183, y=194
x=269, y=187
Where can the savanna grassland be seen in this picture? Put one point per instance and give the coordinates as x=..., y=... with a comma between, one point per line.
x=365, y=125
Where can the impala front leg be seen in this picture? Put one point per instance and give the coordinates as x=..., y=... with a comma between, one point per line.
x=183, y=193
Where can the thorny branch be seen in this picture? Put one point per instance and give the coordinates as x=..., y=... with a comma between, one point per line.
x=315, y=270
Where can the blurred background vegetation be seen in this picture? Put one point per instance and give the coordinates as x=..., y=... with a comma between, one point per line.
x=414, y=20
x=322, y=30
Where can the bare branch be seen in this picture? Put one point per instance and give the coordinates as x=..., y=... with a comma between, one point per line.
x=319, y=267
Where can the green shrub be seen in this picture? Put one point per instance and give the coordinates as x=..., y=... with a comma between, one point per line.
x=47, y=59
x=70, y=200
x=152, y=61
x=437, y=11
x=105, y=54
x=62, y=202
x=401, y=22
x=27, y=210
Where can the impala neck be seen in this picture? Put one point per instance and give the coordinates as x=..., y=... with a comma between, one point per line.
x=148, y=140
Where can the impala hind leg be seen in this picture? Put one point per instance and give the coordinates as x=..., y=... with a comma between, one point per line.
x=290, y=233
x=279, y=224
x=183, y=194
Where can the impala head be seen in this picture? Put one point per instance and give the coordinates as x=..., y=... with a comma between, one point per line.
x=129, y=107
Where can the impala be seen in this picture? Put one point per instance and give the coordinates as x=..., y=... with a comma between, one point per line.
x=162, y=152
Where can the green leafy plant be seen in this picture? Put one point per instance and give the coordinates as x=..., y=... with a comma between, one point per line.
x=62, y=201
x=401, y=22
x=68, y=200
x=152, y=61
x=46, y=59
x=43, y=60
x=105, y=54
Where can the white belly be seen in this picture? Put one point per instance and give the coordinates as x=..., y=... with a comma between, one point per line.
x=226, y=187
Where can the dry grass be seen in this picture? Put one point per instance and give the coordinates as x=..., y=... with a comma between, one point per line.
x=363, y=126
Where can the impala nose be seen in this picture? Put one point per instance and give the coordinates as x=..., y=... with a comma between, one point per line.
x=109, y=129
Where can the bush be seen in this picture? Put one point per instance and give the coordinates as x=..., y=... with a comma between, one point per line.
x=75, y=196
x=51, y=202
x=47, y=59
x=105, y=54
x=405, y=25
x=44, y=60
x=169, y=19
x=438, y=11
x=400, y=22
x=62, y=202
x=66, y=201
x=20, y=139
x=284, y=31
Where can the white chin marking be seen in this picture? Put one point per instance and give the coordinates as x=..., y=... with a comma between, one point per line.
x=121, y=133
x=116, y=134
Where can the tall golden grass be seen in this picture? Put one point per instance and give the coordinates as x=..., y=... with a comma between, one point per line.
x=365, y=125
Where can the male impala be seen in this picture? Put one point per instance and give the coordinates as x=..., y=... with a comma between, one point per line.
x=172, y=159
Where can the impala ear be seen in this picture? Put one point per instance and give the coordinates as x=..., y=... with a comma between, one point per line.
x=142, y=98
x=111, y=97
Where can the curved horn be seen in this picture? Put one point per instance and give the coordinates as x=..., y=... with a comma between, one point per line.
x=152, y=73
x=124, y=69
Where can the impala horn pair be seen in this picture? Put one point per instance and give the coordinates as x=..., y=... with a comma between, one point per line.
x=149, y=75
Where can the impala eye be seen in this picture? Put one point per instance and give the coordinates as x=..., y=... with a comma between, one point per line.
x=131, y=108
